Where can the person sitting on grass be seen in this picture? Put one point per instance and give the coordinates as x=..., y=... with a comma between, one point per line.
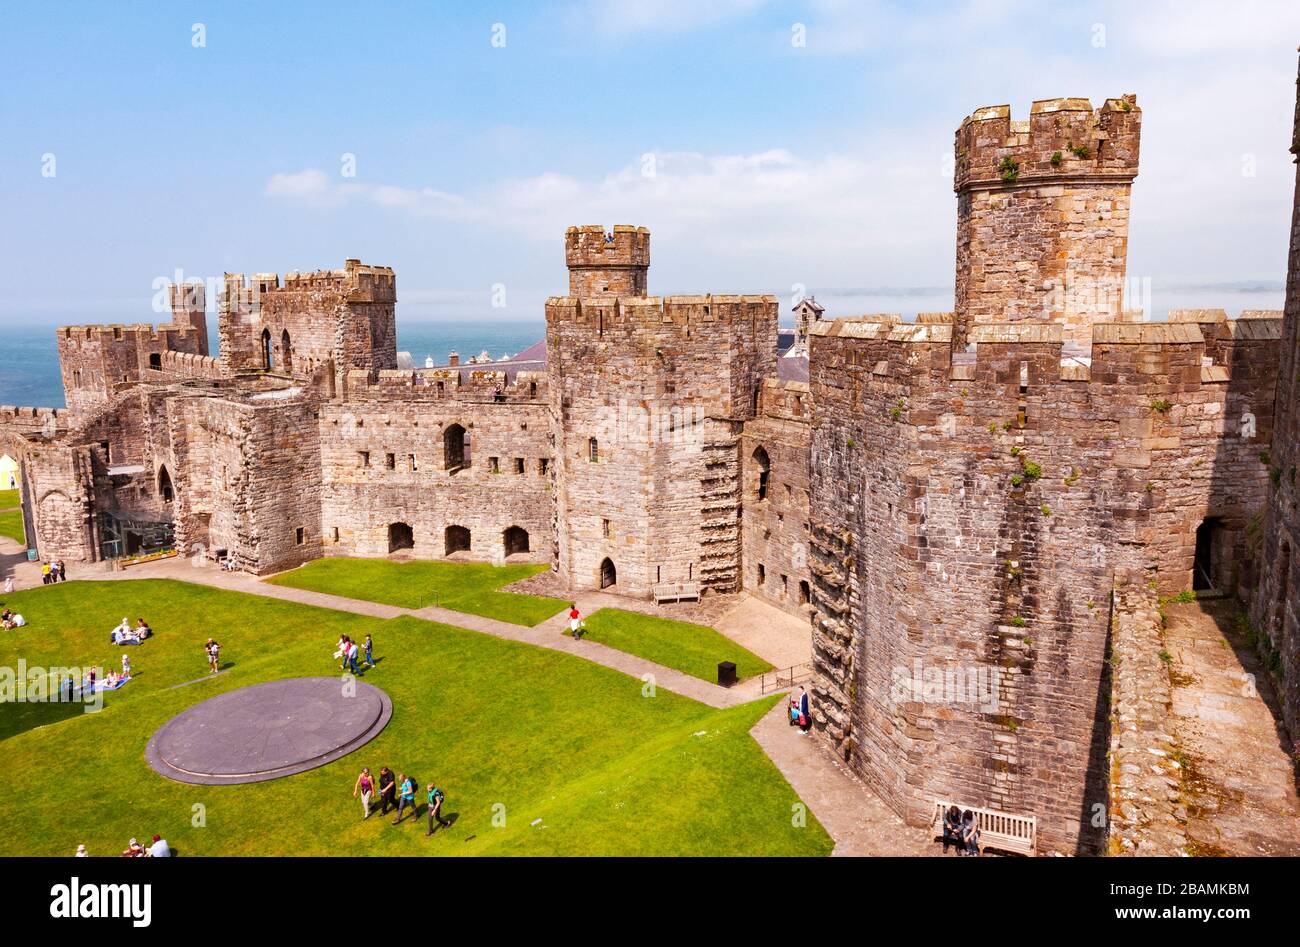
x=159, y=848
x=142, y=629
x=134, y=850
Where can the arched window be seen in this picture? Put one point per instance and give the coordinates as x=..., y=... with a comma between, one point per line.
x=593, y=450
x=515, y=540
x=268, y=356
x=455, y=448
x=286, y=351
x=400, y=536
x=165, y=485
x=608, y=574
x=456, y=539
x=155, y=360
x=764, y=467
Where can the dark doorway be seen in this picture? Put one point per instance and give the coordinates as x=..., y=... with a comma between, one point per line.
x=1207, y=551
x=400, y=536
x=805, y=593
x=286, y=351
x=454, y=454
x=165, y=485
x=764, y=466
x=516, y=540
x=457, y=540
x=268, y=360
x=608, y=574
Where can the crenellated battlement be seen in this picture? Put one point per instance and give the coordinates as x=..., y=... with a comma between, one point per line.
x=785, y=400
x=470, y=384
x=603, y=263
x=1063, y=140
x=356, y=282
x=628, y=312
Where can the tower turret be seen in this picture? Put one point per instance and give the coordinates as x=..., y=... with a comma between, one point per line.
x=607, y=263
x=189, y=308
x=1042, y=213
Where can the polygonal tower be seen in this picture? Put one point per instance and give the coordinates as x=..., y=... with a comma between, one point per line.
x=607, y=263
x=1042, y=214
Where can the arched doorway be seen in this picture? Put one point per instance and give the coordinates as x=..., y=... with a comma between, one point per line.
x=400, y=536
x=763, y=465
x=268, y=356
x=455, y=453
x=286, y=351
x=456, y=540
x=165, y=485
x=608, y=574
x=516, y=540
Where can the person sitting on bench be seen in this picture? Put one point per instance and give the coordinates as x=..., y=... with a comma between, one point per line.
x=952, y=829
x=970, y=833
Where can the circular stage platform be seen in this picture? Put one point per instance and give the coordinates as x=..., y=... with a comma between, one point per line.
x=269, y=730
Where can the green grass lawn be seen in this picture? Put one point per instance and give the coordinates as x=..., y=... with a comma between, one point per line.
x=9, y=498
x=11, y=525
x=509, y=730
x=460, y=586
x=693, y=649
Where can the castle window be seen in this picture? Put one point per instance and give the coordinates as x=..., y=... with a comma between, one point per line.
x=455, y=453
x=299, y=536
x=268, y=360
x=441, y=387
x=494, y=465
x=414, y=466
x=519, y=465
x=364, y=458
x=165, y=485
x=76, y=378
x=390, y=461
x=336, y=534
x=762, y=574
x=593, y=450
x=455, y=539
x=764, y=466
x=286, y=351
x=155, y=361
x=532, y=389
x=515, y=540
x=117, y=333
x=785, y=585
x=1024, y=377
x=804, y=592
x=543, y=466
x=658, y=575
x=604, y=528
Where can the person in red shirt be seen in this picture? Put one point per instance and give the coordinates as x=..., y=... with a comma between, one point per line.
x=574, y=620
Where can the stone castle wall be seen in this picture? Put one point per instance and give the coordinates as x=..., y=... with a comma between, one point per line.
x=968, y=515
x=1275, y=609
x=775, y=528
x=647, y=399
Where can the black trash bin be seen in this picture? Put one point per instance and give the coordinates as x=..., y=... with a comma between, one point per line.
x=726, y=673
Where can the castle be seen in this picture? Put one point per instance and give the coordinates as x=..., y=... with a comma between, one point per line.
x=946, y=499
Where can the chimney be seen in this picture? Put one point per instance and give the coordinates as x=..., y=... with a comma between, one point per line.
x=453, y=359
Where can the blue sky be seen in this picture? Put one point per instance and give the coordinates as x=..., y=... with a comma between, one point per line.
x=825, y=164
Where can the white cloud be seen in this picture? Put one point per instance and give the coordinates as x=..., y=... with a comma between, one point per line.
x=625, y=18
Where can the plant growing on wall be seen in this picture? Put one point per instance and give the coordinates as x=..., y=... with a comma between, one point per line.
x=1010, y=169
x=1056, y=159
x=1161, y=405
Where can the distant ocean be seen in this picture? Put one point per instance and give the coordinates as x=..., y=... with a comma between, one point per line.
x=29, y=358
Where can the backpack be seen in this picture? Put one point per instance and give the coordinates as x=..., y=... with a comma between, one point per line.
x=437, y=794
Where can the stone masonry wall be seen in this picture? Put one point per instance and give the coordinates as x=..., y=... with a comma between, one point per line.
x=776, y=529
x=1275, y=608
x=967, y=517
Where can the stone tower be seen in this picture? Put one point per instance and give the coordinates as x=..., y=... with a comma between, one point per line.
x=607, y=264
x=189, y=308
x=648, y=396
x=1042, y=214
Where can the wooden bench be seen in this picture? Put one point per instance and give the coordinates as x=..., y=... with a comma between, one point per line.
x=676, y=592
x=1016, y=834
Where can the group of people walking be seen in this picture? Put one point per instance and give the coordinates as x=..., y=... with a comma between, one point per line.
x=348, y=650
x=52, y=572
x=399, y=792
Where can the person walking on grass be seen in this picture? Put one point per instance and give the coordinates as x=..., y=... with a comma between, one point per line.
x=370, y=652
x=405, y=797
x=365, y=786
x=435, y=810
x=387, y=789
x=214, y=655
x=353, y=650
x=574, y=619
